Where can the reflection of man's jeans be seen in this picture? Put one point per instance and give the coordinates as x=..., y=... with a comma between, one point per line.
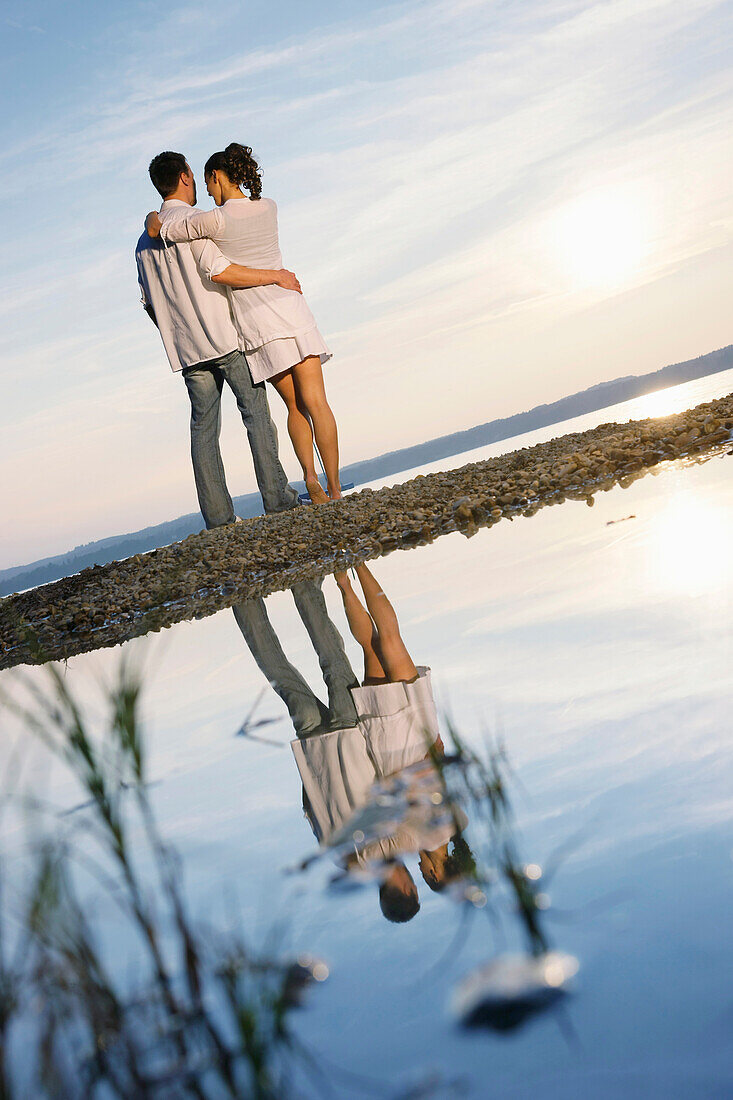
x=307, y=712
x=204, y=383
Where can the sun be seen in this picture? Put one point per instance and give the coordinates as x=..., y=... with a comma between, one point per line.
x=602, y=237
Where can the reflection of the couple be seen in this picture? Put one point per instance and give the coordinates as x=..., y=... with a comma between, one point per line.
x=371, y=791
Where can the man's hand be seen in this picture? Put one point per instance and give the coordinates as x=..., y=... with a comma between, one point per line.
x=240, y=278
x=287, y=280
x=153, y=224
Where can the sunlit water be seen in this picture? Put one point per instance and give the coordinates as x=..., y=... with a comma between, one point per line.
x=596, y=644
x=665, y=402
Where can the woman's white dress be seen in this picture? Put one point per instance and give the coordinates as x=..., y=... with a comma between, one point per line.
x=276, y=327
x=397, y=723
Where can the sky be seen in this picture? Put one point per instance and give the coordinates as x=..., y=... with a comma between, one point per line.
x=489, y=205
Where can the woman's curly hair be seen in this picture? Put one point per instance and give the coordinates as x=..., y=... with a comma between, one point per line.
x=237, y=162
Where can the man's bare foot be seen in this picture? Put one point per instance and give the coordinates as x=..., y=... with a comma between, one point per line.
x=316, y=491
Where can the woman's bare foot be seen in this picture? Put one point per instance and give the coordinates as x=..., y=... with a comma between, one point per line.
x=316, y=491
x=334, y=492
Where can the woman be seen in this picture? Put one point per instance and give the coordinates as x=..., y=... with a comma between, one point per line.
x=277, y=329
x=394, y=705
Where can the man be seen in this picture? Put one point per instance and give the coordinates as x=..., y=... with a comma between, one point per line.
x=308, y=713
x=184, y=292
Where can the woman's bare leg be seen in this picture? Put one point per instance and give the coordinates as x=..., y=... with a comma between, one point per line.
x=301, y=434
x=311, y=394
x=397, y=662
x=362, y=628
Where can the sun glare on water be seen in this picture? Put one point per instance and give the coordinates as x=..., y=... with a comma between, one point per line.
x=673, y=399
x=689, y=552
x=602, y=237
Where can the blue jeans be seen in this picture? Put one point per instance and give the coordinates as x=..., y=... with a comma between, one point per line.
x=307, y=712
x=204, y=383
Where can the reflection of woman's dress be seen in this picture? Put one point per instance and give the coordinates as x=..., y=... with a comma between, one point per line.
x=276, y=327
x=396, y=725
x=399, y=721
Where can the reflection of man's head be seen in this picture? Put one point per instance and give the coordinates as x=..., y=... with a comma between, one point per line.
x=398, y=898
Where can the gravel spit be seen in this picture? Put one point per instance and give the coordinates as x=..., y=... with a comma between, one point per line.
x=108, y=604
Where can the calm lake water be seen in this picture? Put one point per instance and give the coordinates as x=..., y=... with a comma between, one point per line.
x=595, y=643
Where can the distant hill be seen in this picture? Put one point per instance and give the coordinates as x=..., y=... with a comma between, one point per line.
x=591, y=400
x=596, y=397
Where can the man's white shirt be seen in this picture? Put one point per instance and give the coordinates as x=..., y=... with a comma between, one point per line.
x=192, y=313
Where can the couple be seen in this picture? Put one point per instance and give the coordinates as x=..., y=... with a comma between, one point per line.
x=214, y=285
x=366, y=759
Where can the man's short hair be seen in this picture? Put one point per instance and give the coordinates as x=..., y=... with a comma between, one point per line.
x=165, y=172
x=397, y=906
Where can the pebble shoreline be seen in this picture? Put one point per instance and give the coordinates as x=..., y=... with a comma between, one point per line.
x=105, y=605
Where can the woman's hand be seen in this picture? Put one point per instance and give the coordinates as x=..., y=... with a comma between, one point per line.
x=153, y=224
x=287, y=280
